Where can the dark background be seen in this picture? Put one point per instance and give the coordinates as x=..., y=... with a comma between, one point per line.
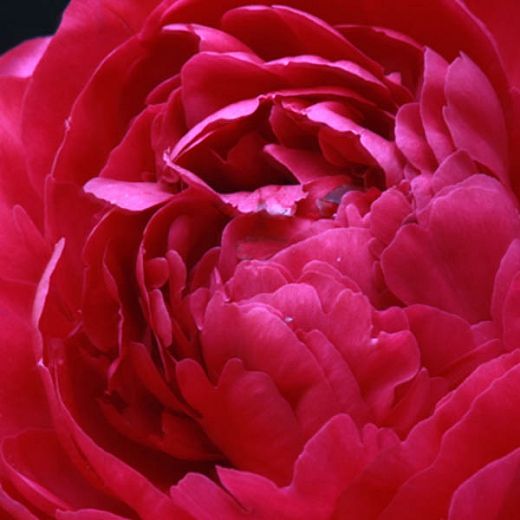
x=23, y=19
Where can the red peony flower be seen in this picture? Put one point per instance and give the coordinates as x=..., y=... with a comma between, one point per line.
x=262, y=261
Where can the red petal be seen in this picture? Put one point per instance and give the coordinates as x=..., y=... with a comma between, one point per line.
x=489, y=430
x=439, y=263
x=42, y=472
x=245, y=416
x=432, y=102
x=410, y=138
x=78, y=49
x=501, y=19
x=475, y=117
x=490, y=494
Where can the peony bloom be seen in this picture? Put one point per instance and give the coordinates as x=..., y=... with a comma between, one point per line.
x=262, y=262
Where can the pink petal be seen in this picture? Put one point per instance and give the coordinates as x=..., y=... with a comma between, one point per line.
x=455, y=168
x=133, y=196
x=275, y=200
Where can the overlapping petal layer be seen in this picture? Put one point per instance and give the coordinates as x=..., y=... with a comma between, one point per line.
x=269, y=277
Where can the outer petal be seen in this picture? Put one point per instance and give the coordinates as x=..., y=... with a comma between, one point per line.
x=15, y=509
x=133, y=196
x=491, y=494
x=475, y=117
x=439, y=263
x=22, y=60
x=445, y=25
x=77, y=48
x=369, y=495
x=42, y=472
x=502, y=19
x=328, y=463
x=488, y=431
